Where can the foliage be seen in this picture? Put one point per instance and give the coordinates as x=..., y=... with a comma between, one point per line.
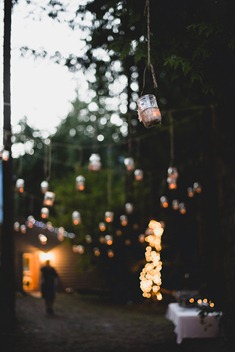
x=192, y=50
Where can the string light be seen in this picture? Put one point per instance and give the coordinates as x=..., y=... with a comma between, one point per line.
x=150, y=276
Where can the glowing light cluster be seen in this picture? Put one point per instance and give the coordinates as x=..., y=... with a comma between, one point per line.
x=150, y=276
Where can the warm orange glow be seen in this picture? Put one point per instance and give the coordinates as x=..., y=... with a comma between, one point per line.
x=110, y=253
x=164, y=202
x=109, y=216
x=150, y=276
x=123, y=220
x=109, y=240
x=49, y=198
x=102, y=226
x=96, y=251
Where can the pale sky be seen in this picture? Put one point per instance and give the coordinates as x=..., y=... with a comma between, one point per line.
x=40, y=90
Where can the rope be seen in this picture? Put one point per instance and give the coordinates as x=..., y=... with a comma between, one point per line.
x=149, y=64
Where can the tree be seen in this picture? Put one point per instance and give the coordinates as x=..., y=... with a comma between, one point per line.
x=192, y=51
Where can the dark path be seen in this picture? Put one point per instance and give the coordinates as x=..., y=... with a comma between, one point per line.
x=92, y=324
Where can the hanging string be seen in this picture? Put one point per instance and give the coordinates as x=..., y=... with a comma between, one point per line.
x=47, y=162
x=149, y=64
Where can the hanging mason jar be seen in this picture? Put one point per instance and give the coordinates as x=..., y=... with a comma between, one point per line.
x=139, y=174
x=23, y=229
x=148, y=111
x=108, y=240
x=110, y=253
x=44, y=186
x=190, y=192
x=16, y=226
x=102, y=226
x=80, y=183
x=197, y=187
x=172, y=177
x=96, y=251
x=129, y=208
x=78, y=249
x=30, y=221
x=20, y=185
x=129, y=163
x=175, y=204
x=88, y=238
x=123, y=220
x=182, y=208
x=94, y=162
x=5, y=155
x=76, y=217
x=164, y=202
x=172, y=173
x=60, y=233
x=142, y=238
x=49, y=198
x=172, y=184
x=108, y=216
x=42, y=239
x=44, y=213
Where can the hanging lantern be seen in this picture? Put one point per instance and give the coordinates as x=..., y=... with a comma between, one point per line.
x=80, y=183
x=129, y=208
x=16, y=226
x=44, y=186
x=172, y=173
x=23, y=229
x=96, y=251
x=102, y=239
x=49, y=198
x=44, y=213
x=42, y=239
x=30, y=221
x=78, y=249
x=172, y=177
x=175, y=204
x=190, y=192
x=102, y=226
x=20, y=185
x=88, y=238
x=110, y=253
x=141, y=238
x=94, y=162
x=109, y=216
x=60, y=234
x=148, y=111
x=182, y=208
x=5, y=154
x=197, y=187
x=118, y=232
x=108, y=240
x=123, y=220
x=129, y=163
x=164, y=202
x=76, y=217
x=139, y=174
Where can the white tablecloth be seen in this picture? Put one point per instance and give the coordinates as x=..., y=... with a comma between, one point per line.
x=188, y=323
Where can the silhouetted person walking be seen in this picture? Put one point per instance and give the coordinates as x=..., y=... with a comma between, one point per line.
x=49, y=279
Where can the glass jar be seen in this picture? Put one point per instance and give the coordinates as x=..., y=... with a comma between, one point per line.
x=148, y=110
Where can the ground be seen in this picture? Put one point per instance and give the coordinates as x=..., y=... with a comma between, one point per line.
x=91, y=323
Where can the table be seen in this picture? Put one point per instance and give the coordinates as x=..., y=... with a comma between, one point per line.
x=188, y=323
